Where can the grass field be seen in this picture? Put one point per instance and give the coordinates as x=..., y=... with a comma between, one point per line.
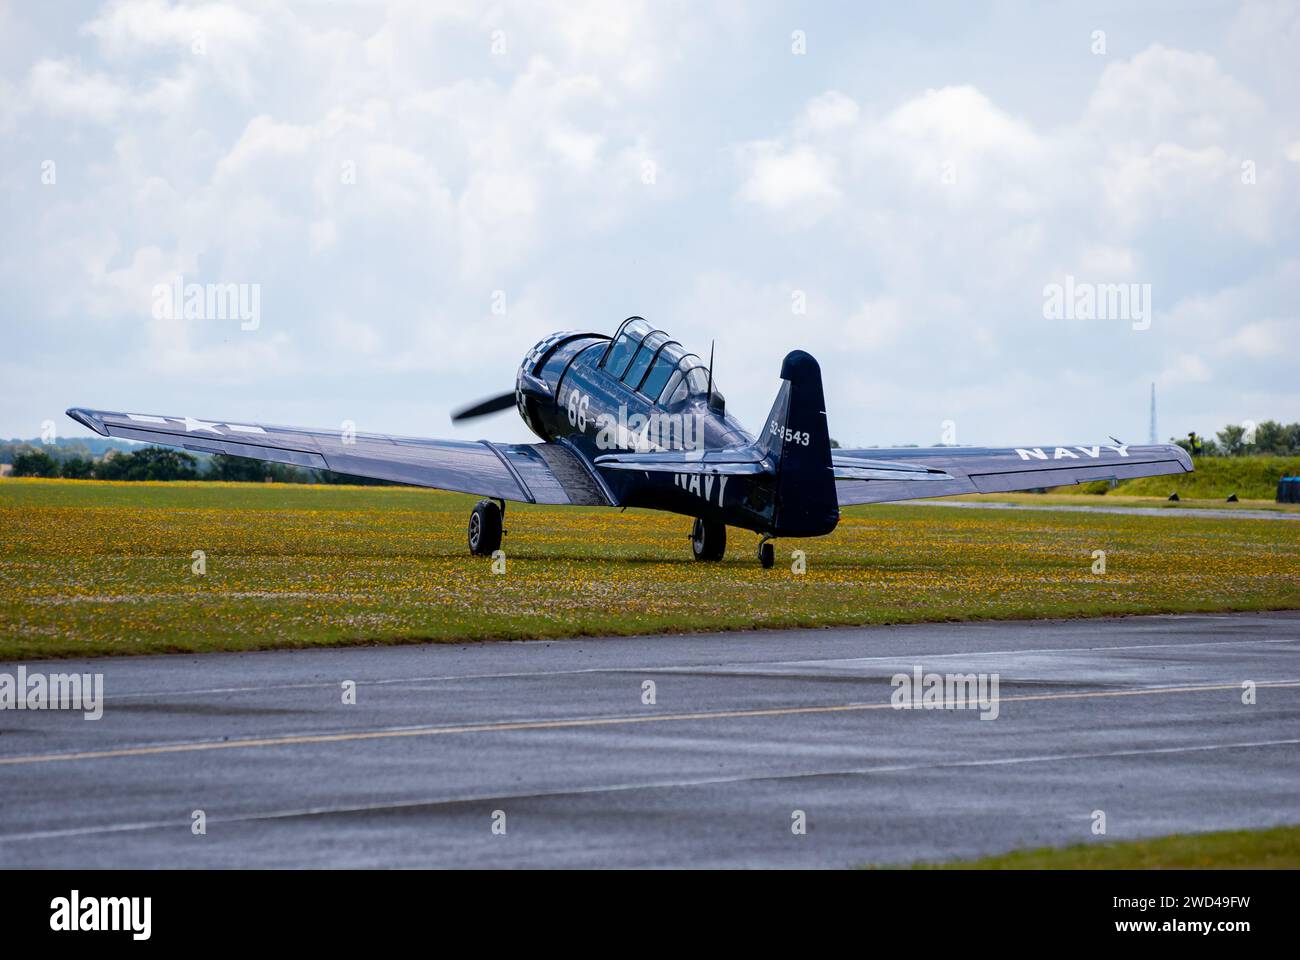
x=1250, y=478
x=1276, y=849
x=1060, y=498
x=102, y=568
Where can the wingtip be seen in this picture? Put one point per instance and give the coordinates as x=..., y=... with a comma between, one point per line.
x=88, y=419
x=1182, y=456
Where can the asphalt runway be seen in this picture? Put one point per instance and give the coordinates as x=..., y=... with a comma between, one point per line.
x=1140, y=717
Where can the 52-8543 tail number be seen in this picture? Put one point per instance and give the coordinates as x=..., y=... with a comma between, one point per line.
x=790, y=436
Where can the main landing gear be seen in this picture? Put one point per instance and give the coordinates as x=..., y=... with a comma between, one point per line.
x=485, y=527
x=708, y=540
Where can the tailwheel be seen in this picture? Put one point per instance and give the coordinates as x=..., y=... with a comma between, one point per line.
x=485, y=528
x=766, y=554
x=708, y=540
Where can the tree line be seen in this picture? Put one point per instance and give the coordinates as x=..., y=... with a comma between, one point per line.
x=162, y=463
x=1268, y=439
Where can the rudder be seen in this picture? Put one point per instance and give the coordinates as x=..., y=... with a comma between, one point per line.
x=798, y=440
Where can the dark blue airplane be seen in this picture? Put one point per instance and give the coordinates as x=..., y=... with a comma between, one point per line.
x=634, y=420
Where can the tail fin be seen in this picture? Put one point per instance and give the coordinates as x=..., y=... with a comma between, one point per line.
x=797, y=439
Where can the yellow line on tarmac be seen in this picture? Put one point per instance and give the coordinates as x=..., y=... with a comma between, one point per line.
x=578, y=722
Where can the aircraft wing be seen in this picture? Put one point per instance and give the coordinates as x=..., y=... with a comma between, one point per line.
x=551, y=473
x=948, y=471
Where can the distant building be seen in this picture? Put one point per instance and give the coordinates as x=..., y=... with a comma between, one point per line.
x=6, y=469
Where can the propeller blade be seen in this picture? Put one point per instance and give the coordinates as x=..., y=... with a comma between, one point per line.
x=481, y=409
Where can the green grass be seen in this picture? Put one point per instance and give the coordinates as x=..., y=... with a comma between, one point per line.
x=1250, y=478
x=1275, y=849
x=92, y=568
x=1059, y=497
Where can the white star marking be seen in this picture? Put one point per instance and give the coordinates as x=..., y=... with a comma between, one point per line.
x=191, y=425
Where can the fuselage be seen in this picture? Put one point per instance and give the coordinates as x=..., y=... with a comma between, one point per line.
x=641, y=391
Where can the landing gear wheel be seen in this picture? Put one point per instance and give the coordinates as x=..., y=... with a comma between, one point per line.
x=708, y=540
x=766, y=554
x=485, y=529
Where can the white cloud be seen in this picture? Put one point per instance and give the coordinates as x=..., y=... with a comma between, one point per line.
x=1163, y=95
x=956, y=123
x=64, y=88
x=381, y=172
x=828, y=112
x=1106, y=262
x=877, y=323
x=783, y=181
x=1186, y=368
x=1262, y=339
x=950, y=194
x=133, y=27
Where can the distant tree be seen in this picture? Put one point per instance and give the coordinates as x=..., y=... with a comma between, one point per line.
x=1293, y=438
x=77, y=468
x=285, y=473
x=1268, y=436
x=149, y=463
x=328, y=476
x=237, y=469
x=1272, y=437
x=35, y=463
x=109, y=467
x=1232, y=440
x=246, y=470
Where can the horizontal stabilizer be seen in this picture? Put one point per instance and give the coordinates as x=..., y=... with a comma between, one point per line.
x=859, y=468
x=733, y=461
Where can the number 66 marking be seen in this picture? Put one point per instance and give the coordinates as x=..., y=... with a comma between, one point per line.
x=577, y=408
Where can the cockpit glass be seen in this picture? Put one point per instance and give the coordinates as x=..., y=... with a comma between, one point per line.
x=625, y=347
x=662, y=369
x=641, y=362
x=675, y=385
x=689, y=379
x=695, y=374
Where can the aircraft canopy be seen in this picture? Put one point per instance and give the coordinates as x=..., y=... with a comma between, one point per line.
x=646, y=360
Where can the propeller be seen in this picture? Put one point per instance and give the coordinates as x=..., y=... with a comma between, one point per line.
x=495, y=404
x=529, y=385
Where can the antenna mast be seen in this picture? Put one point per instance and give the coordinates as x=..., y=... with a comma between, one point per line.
x=711, y=345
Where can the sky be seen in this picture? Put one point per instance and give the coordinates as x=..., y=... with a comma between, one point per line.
x=418, y=192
